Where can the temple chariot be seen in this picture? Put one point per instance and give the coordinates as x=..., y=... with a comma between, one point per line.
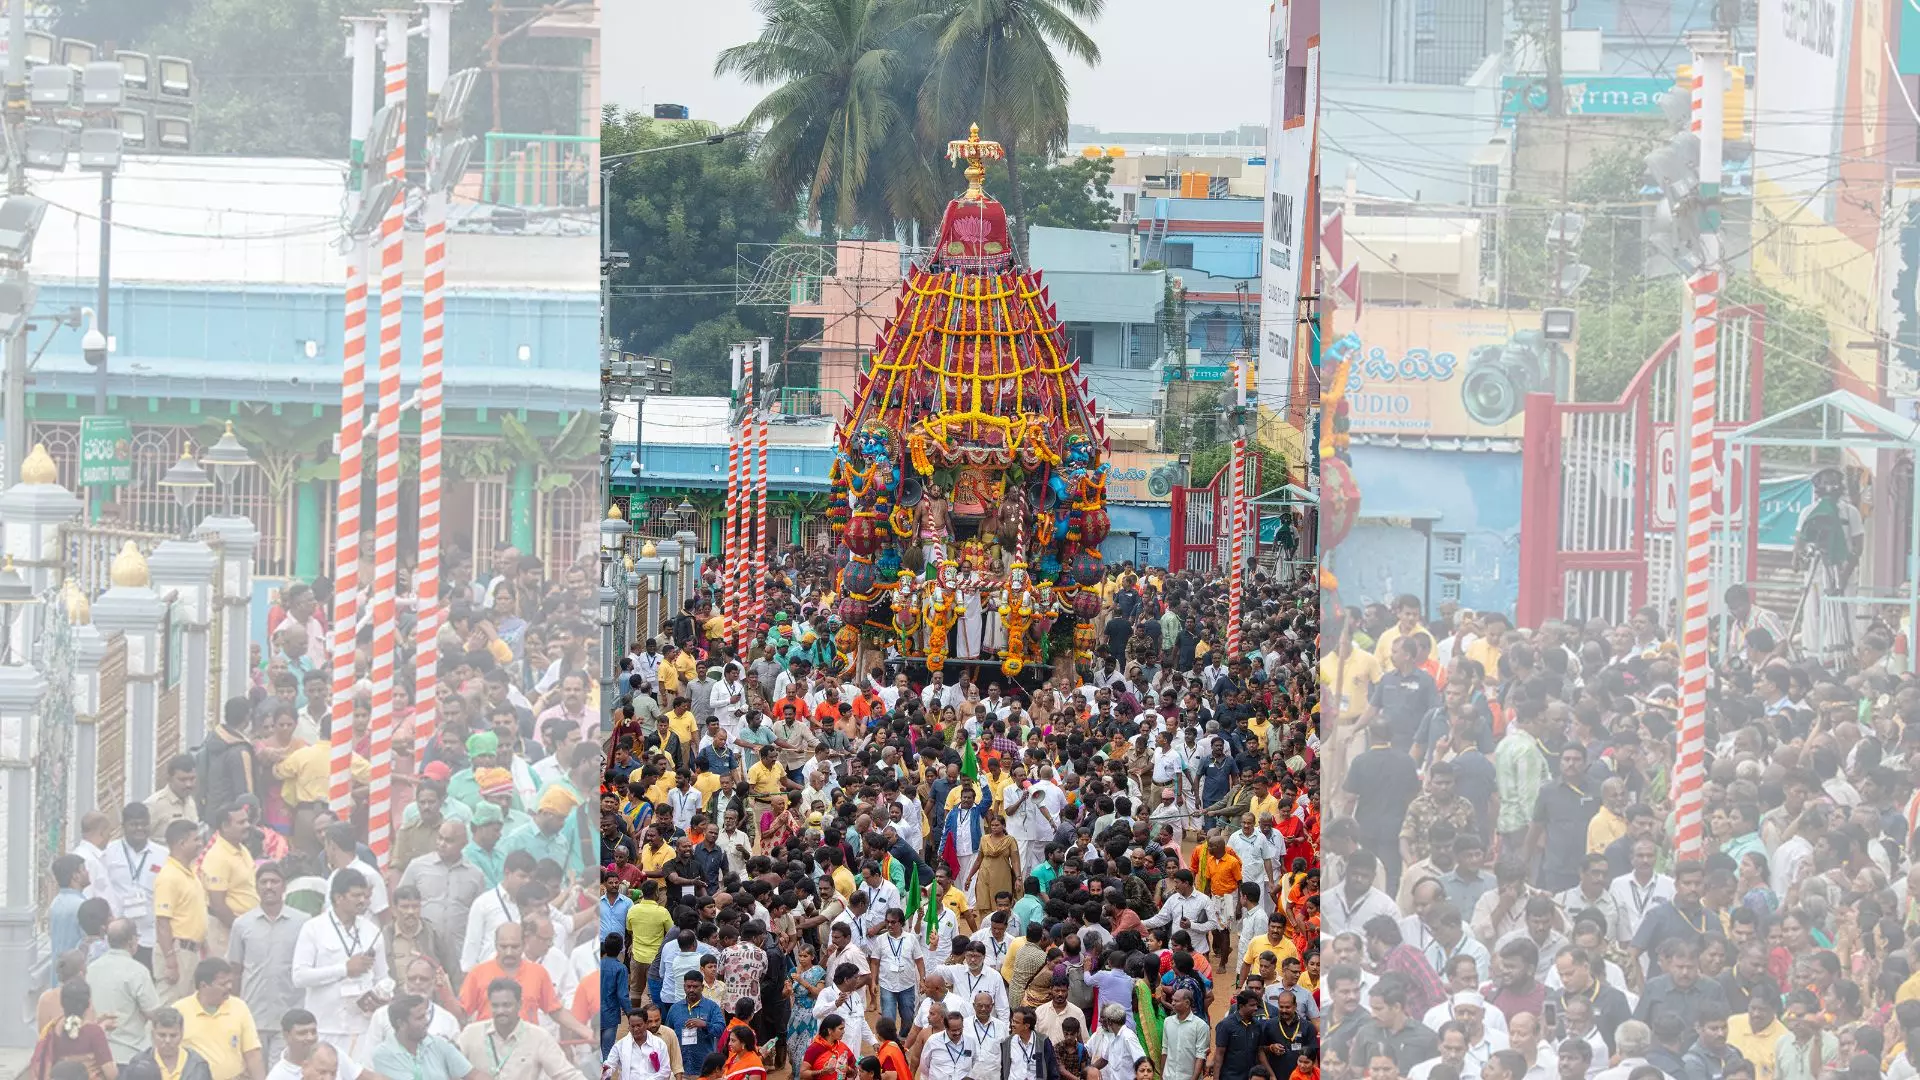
x=969, y=487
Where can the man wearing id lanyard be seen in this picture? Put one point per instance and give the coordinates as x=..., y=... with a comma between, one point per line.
x=698, y=1023
x=949, y=1055
x=339, y=960
x=413, y=1053
x=989, y=1035
x=133, y=863
x=508, y=1048
x=1028, y=1055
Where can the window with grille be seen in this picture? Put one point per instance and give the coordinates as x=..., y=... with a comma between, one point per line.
x=1180, y=255
x=1486, y=185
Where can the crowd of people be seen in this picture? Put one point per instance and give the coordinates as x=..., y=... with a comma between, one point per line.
x=232, y=926
x=1097, y=871
x=1511, y=895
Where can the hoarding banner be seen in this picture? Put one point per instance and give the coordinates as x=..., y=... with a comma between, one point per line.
x=1804, y=51
x=1290, y=148
x=1452, y=372
x=1143, y=477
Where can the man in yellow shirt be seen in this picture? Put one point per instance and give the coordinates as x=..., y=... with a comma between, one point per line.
x=304, y=773
x=219, y=1027
x=1406, y=612
x=655, y=853
x=1610, y=822
x=1756, y=1032
x=767, y=778
x=647, y=924
x=227, y=874
x=1274, y=941
x=179, y=911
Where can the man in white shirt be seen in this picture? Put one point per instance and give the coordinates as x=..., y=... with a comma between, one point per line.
x=94, y=831
x=133, y=862
x=847, y=998
x=974, y=977
x=989, y=1035
x=1033, y=814
x=729, y=700
x=420, y=979
x=1187, y=910
x=1114, y=1049
x=641, y=1054
x=882, y=897
x=302, y=1038
x=495, y=908
x=901, y=960
x=1357, y=901
x=1257, y=854
x=949, y=1055
x=1636, y=892
x=339, y=960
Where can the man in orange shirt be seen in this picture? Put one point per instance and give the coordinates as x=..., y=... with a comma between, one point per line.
x=1216, y=872
x=538, y=997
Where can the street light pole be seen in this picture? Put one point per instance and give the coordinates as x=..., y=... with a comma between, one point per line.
x=15, y=409
x=100, y=302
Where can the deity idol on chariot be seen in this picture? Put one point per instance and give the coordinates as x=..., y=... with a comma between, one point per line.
x=969, y=487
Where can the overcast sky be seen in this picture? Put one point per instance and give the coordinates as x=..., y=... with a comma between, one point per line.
x=1196, y=65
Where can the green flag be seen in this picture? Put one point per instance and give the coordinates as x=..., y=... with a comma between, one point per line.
x=930, y=911
x=912, y=894
x=969, y=763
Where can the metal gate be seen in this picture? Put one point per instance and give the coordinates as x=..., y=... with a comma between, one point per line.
x=1598, y=479
x=111, y=723
x=1202, y=536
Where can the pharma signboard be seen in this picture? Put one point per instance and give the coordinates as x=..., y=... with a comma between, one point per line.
x=1284, y=243
x=1448, y=372
x=1595, y=96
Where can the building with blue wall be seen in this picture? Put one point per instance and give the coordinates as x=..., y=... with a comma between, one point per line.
x=1439, y=522
x=227, y=302
x=1112, y=312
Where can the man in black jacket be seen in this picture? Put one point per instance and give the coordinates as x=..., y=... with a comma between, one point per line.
x=226, y=760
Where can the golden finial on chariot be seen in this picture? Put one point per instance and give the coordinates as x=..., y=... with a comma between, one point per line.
x=976, y=152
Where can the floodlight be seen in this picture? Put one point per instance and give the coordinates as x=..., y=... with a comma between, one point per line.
x=51, y=84
x=1676, y=105
x=1557, y=324
x=16, y=303
x=47, y=147
x=100, y=148
x=136, y=72
x=102, y=84
x=383, y=133
x=76, y=53
x=173, y=133
x=135, y=129
x=41, y=47
x=176, y=78
x=1674, y=166
x=454, y=97
x=452, y=163
x=20, y=217
x=374, y=202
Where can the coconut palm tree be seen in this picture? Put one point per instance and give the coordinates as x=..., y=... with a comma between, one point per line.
x=997, y=62
x=838, y=120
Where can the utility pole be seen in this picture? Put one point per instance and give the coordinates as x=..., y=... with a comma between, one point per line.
x=1697, y=408
x=1556, y=29
x=16, y=109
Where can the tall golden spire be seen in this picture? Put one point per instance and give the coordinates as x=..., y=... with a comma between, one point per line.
x=976, y=153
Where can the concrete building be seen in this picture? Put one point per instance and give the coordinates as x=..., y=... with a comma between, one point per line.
x=228, y=303
x=1113, y=313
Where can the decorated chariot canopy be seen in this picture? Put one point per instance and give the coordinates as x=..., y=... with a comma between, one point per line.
x=972, y=440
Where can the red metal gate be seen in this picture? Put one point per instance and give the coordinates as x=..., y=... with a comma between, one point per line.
x=1200, y=535
x=1595, y=539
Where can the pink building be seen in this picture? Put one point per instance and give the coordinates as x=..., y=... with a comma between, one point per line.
x=853, y=304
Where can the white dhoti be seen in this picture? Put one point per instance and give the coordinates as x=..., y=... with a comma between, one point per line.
x=1033, y=852
x=966, y=872
x=995, y=637
x=971, y=623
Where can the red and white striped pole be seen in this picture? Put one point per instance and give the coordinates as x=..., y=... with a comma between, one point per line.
x=729, y=530
x=353, y=407
x=1236, y=579
x=1709, y=87
x=432, y=356
x=386, y=514
x=740, y=558
x=762, y=528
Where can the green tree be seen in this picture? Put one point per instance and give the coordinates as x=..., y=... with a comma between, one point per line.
x=836, y=127
x=997, y=63
x=1208, y=462
x=1070, y=195
x=681, y=216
